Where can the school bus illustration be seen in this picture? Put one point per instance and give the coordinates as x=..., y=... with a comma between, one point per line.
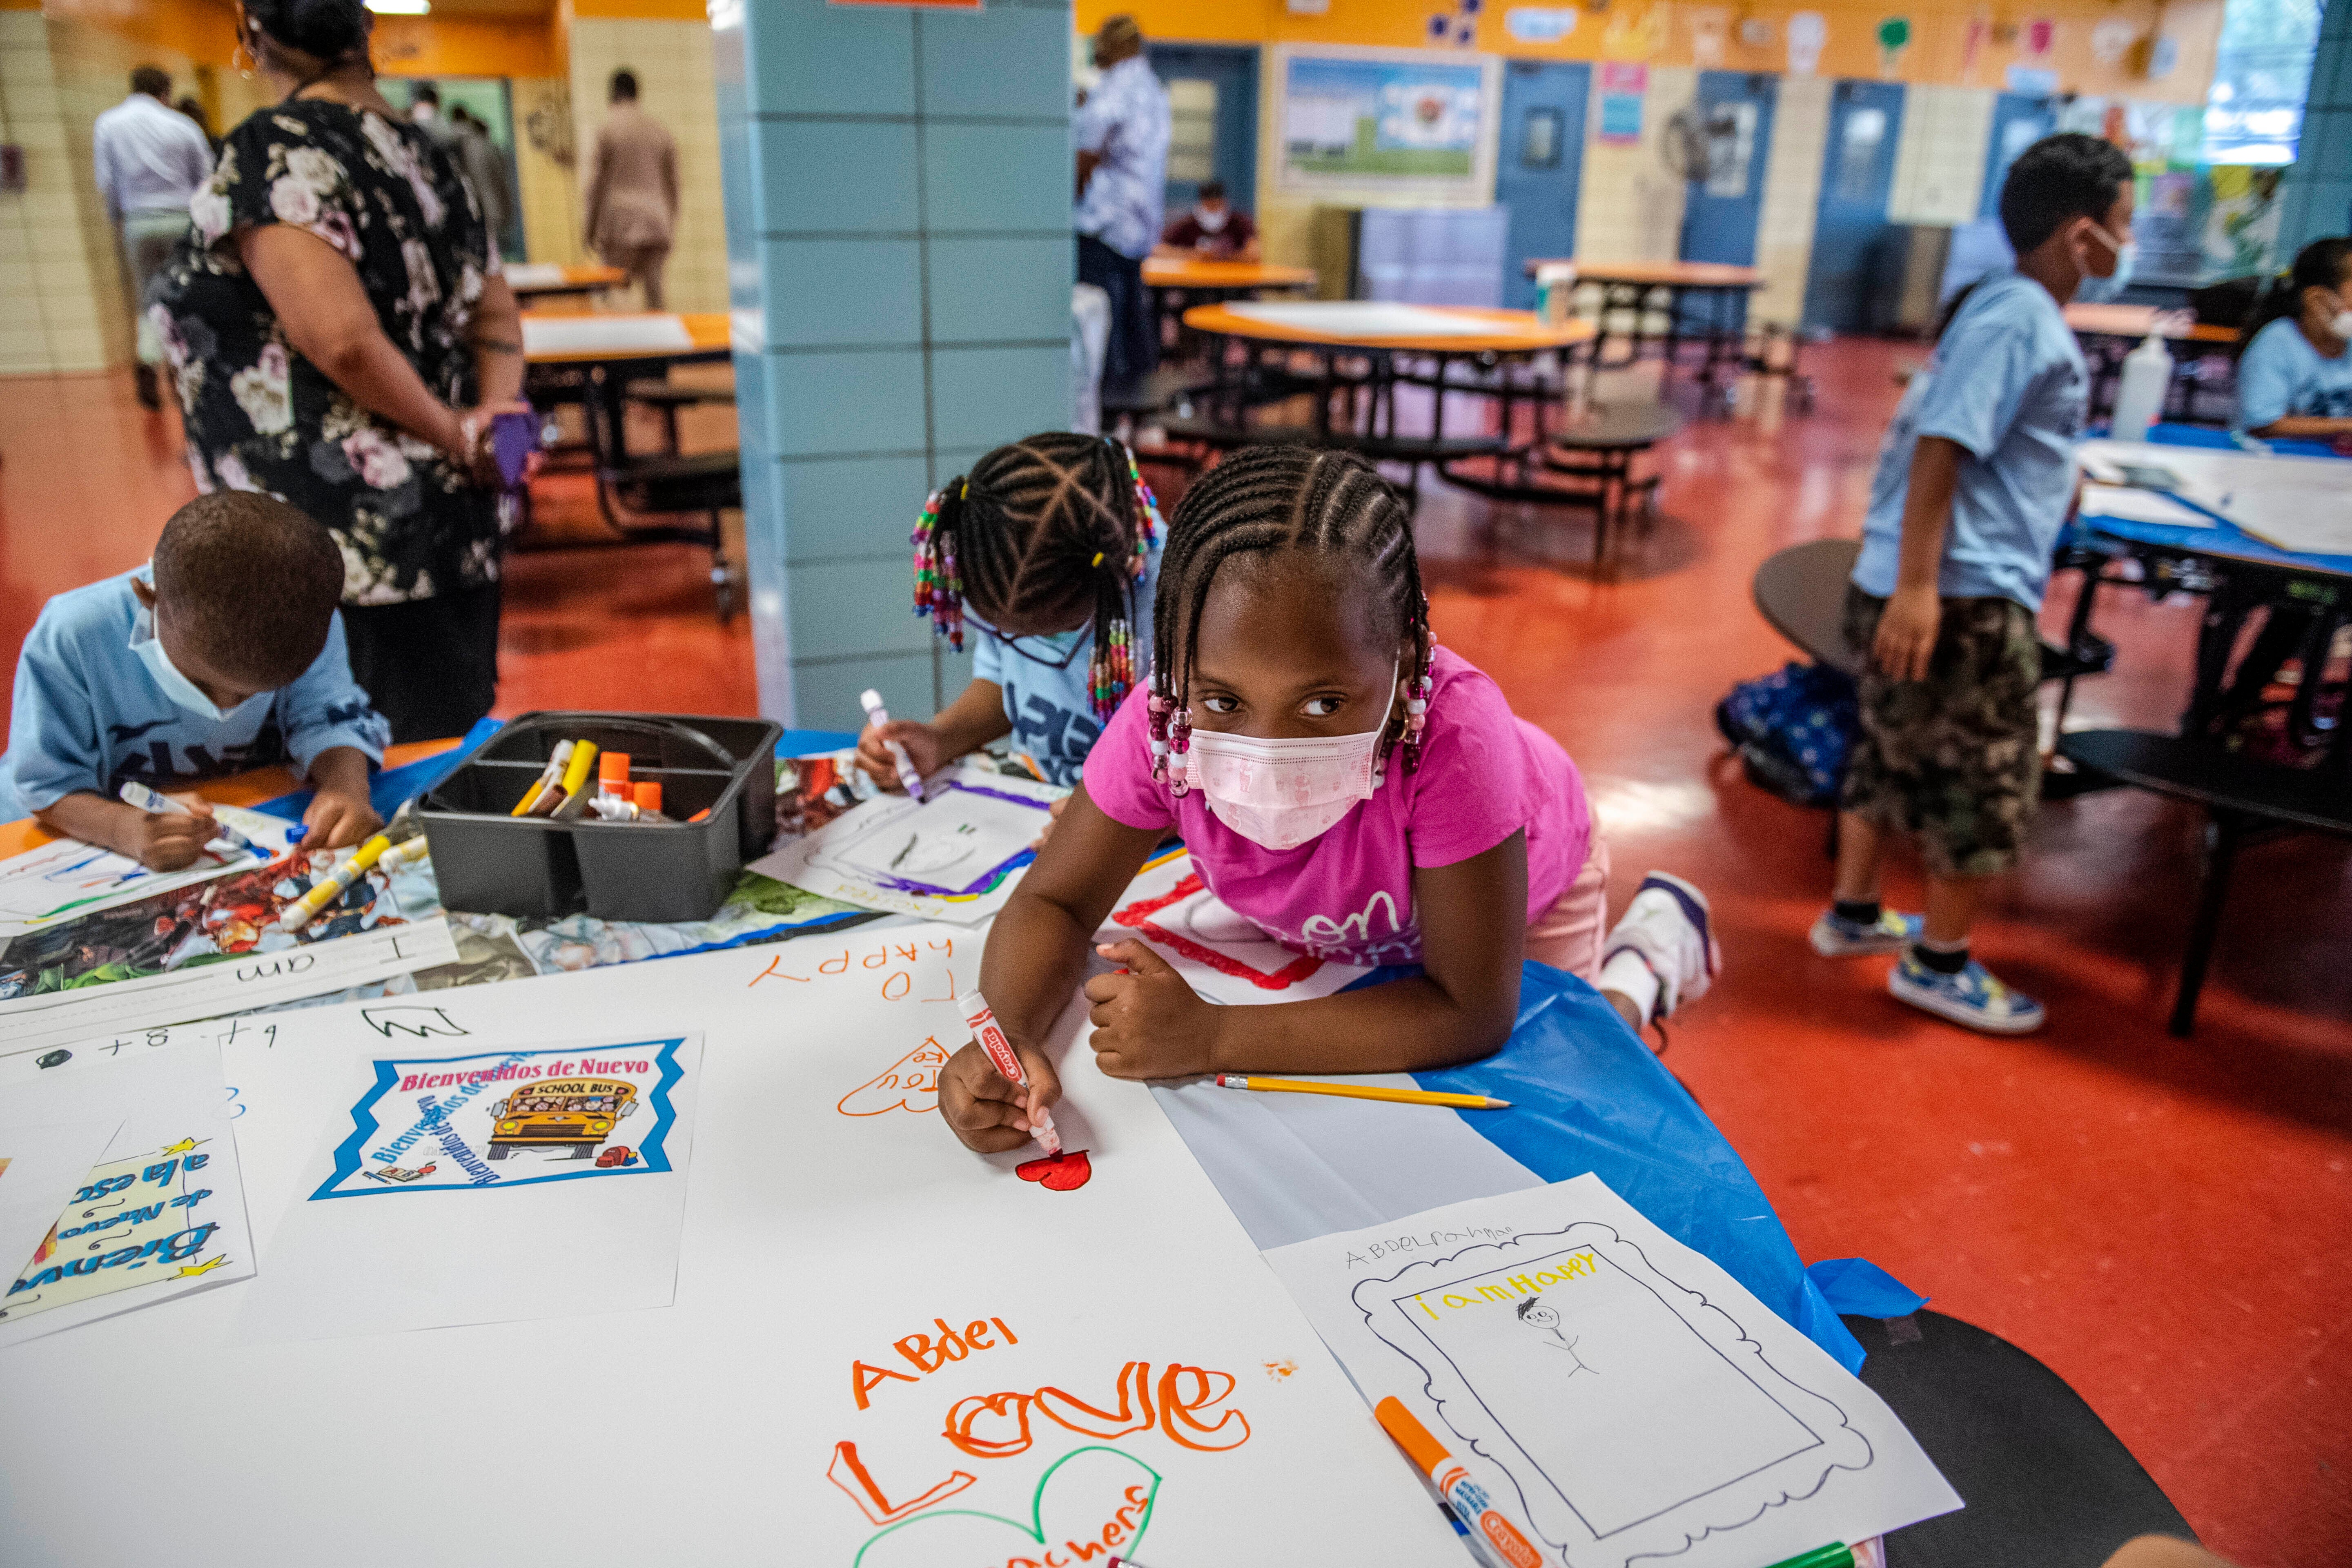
x=577, y=1113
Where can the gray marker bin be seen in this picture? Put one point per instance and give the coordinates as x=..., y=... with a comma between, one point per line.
x=491, y=862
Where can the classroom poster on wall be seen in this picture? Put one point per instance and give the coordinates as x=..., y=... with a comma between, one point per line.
x=1622, y=86
x=1394, y=118
x=582, y=1143
x=205, y=948
x=1619, y=1396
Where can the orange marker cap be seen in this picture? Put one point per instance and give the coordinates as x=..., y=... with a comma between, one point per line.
x=648, y=796
x=1410, y=1434
x=612, y=767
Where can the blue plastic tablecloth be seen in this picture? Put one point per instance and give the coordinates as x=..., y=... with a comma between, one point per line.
x=2225, y=538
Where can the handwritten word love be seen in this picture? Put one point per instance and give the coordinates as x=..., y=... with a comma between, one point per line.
x=1183, y=1393
x=926, y=1354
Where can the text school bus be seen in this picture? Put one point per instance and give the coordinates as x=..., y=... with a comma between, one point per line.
x=574, y=1112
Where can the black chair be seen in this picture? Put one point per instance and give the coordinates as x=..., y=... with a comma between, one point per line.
x=666, y=399
x=1594, y=456
x=2045, y=1482
x=704, y=482
x=1800, y=593
x=2245, y=801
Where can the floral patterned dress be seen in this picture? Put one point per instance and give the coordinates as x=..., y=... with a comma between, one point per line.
x=259, y=417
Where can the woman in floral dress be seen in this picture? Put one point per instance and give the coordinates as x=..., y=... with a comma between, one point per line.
x=341, y=338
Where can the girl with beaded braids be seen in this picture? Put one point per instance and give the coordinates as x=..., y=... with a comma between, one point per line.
x=1048, y=552
x=1358, y=792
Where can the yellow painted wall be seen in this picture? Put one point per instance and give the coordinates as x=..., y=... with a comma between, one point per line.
x=672, y=61
x=1665, y=34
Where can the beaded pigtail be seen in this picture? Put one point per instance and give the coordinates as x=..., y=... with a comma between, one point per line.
x=1148, y=528
x=939, y=586
x=1110, y=673
x=1171, y=737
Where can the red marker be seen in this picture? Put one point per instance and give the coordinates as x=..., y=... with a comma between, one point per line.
x=1007, y=1061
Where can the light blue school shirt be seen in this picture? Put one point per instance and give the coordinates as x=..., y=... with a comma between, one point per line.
x=2281, y=373
x=89, y=716
x=1052, y=708
x=2007, y=383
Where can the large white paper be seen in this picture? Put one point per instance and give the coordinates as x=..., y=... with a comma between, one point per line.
x=601, y=334
x=160, y=1216
x=1615, y=1394
x=65, y=879
x=1363, y=320
x=2301, y=504
x=1219, y=953
x=1007, y=1334
x=42, y=1164
x=954, y=855
x=2129, y=505
x=420, y=1189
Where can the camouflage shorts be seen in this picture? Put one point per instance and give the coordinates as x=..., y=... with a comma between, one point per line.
x=1954, y=759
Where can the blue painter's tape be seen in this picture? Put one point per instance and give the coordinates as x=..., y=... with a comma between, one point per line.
x=1861, y=1289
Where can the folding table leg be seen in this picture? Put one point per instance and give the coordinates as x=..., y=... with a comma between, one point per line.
x=2222, y=834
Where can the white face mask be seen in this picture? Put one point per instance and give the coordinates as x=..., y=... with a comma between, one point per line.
x=1211, y=222
x=2342, y=325
x=184, y=692
x=2097, y=291
x=1280, y=794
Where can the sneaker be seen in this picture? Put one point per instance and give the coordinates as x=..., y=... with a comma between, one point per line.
x=1836, y=937
x=1972, y=997
x=1667, y=925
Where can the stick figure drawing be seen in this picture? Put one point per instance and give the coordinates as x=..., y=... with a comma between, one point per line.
x=1543, y=1320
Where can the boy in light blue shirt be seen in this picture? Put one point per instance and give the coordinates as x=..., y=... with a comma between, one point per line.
x=1974, y=478
x=223, y=653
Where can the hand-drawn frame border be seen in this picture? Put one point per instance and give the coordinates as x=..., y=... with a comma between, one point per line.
x=653, y=1149
x=1664, y=1534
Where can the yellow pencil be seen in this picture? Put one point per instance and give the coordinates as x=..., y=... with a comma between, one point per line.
x=1363, y=1092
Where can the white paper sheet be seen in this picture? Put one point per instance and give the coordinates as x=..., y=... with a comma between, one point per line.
x=1363, y=320
x=2129, y=505
x=953, y=855
x=2301, y=504
x=420, y=1189
x=65, y=879
x=42, y=1164
x=533, y=274
x=160, y=1216
x=1220, y=953
x=1616, y=1394
x=820, y=1238
x=601, y=334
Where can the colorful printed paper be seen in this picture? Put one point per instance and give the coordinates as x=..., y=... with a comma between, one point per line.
x=65, y=879
x=1617, y=1396
x=42, y=1164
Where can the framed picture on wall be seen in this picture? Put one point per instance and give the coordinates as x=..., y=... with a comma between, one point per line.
x=1400, y=121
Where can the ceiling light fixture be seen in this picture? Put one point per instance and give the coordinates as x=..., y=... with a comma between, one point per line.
x=401, y=8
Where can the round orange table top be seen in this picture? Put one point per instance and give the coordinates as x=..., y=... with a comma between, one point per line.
x=573, y=279
x=1508, y=331
x=1658, y=274
x=707, y=332
x=1200, y=272
x=2138, y=320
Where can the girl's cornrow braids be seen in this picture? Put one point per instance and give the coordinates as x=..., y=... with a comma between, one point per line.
x=1260, y=501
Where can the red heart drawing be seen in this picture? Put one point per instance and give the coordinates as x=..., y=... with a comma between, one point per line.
x=1064, y=1173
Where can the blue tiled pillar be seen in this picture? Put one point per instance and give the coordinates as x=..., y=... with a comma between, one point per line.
x=897, y=234
x=2317, y=201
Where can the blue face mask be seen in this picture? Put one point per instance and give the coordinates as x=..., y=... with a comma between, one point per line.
x=183, y=692
x=2097, y=291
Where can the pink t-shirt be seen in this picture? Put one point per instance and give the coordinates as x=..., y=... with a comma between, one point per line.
x=1347, y=895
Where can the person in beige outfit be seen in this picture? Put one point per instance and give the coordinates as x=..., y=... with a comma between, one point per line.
x=633, y=191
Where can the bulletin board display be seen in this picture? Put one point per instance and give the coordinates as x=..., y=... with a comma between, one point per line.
x=1395, y=120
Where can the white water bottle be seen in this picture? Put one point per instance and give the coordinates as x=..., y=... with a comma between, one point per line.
x=2139, y=399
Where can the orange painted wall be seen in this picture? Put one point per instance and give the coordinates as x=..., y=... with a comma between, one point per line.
x=1662, y=33
x=206, y=30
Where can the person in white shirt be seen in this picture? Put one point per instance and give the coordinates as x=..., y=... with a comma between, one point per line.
x=1121, y=131
x=150, y=159
x=425, y=109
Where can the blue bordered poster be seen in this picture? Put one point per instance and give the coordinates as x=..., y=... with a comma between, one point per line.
x=510, y=1118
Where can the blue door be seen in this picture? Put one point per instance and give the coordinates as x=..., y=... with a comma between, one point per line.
x=1721, y=215
x=1212, y=121
x=2018, y=122
x=1539, y=167
x=1850, y=226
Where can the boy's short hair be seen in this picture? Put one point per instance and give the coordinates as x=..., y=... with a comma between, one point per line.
x=152, y=81
x=252, y=582
x=1212, y=191
x=2058, y=179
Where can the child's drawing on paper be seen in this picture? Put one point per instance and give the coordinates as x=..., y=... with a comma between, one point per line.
x=1545, y=1321
x=64, y=876
x=1194, y=927
x=139, y=1220
x=228, y=917
x=960, y=842
x=910, y=1083
x=510, y=1118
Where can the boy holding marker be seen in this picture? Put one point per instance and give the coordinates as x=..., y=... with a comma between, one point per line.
x=1974, y=478
x=224, y=653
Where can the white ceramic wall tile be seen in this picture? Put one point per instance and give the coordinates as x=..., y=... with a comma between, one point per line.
x=1793, y=186
x=1939, y=161
x=1630, y=206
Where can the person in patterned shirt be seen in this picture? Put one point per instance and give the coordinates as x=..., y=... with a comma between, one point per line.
x=339, y=337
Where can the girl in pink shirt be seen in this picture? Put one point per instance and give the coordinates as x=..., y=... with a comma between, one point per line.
x=1358, y=792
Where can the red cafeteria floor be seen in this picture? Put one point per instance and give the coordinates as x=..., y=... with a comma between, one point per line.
x=2168, y=1225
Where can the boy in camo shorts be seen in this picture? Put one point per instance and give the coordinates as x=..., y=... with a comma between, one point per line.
x=1974, y=478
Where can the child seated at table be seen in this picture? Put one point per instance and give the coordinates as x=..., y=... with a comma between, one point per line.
x=1358, y=792
x=1974, y=478
x=2294, y=379
x=223, y=653
x=1213, y=229
x=1050, y=549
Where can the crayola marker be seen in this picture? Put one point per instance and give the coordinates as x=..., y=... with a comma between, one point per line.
x=1499, y=1535
x=1007, y=1061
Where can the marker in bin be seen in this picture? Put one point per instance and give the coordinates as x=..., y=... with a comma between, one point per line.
x=872, y=699
x=1007, y=1061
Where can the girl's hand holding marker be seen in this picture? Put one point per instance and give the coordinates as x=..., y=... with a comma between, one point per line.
x=991, y=1109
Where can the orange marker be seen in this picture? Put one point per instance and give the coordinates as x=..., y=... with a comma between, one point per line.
x=1463, y=1495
